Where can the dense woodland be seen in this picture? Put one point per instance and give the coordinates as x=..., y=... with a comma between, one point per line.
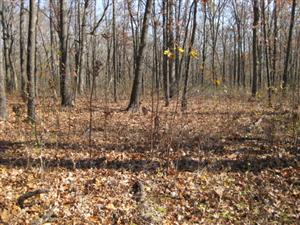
x=149, y=112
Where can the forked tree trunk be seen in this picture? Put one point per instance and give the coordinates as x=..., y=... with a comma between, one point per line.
x=136, y=88
x=184, y=93
x=289, y=44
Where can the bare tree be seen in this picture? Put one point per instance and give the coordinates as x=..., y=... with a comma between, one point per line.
x=266, y=49
x=114, y=50
x=204, y=42
x=166, y=81
x=134, y=102
x=275, y=34
x=184, y=93
x=65, y=88
x=254, y=46
x=30, y=61
x=287, y=58
x=2, y=90
x=82, y=47
x=6, y=15
x=22, y=51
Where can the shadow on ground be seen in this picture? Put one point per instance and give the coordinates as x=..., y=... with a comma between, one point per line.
x=183, y=164
x=248, y=159
x=8, y=145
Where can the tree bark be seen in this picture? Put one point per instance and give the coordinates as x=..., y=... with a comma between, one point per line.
x=82, y=53
x=254, y=46
x=8, y=44
x=65, y=88
x=289, y=45
x=184, y=93
x=30, y=61
x=202, y=69
x=136, y=88
x=22, y=52
x=266, y=50
x=114, y=51
x=166, y=81
x=2, y=90
x=273, y=75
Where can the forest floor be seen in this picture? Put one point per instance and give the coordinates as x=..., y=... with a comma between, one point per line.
x=223, y=161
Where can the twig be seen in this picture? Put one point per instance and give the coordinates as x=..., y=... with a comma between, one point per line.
x=100, y=20
x=29, y=194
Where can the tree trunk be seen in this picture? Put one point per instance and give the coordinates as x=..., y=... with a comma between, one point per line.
x=171, y=46
x=82, y=53
x=274, y=44
x=2, y=90
x=22, y=52
x=53, y=68
x=30, y=61
x=177, y=41
x=136, y=88
x=36, y=50
x=254, y=46
x=289, y=44
x=114, y=51
x=266, y=50
x=202, y=69
x=184, y=93
x=166, y=80
x=65, y=88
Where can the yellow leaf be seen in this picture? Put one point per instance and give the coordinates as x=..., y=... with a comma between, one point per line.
x=180, y=50
x=167, y=52
x=217, y=82
x=194, y=54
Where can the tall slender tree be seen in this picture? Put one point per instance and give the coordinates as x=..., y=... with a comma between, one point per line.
x=82, y=46
x=289, y=45
x=22, y=51
x=30, y=61
x=6, y=20
x=52, y=44
x=273, y=75
x=166, y=81
x=65, y=86
x=266, y=49
x=114, y=50
x=254, y=46
x=204, y=38
x=2, y=90
x=190, y=49
x=134, y=102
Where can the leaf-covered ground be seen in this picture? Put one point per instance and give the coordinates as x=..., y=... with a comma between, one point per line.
x=224, y=161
